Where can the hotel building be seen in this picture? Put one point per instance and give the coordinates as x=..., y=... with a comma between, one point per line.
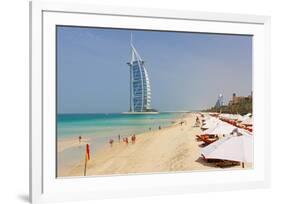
x=140, y=90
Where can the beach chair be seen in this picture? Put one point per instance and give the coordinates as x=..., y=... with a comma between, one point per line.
x=209, y=141
x=206, y=139
x=227, y=163
x=198, y=138
x=201, y=137
x=210, y=160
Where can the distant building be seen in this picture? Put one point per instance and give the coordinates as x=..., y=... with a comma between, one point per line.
x=239, y=99
x=219, y=102
x=140, y=90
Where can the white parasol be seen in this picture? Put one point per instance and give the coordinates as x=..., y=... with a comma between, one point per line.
x=220, y=128
x=247, y=121
x=231, y=147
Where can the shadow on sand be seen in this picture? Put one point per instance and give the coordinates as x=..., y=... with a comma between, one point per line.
x=24, y=198
x=217, y=163
x=205, y=163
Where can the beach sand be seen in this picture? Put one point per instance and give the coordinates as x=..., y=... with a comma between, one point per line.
x=167, y=150
x=68, y=143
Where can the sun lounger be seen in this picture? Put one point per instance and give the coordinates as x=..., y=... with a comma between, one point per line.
x=201, y=137
x=198, y=138
x=221, y=163
x=207, y=139
x=226, y=163
x=210, y=160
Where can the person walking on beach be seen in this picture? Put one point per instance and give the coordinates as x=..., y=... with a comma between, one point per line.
x=111, y=142
x=126, y=140
x=119, y=138
x=80, y=138
x=133, y=139
x=197, y=123
x=159, y=128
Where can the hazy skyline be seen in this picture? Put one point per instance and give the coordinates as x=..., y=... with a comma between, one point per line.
x=187, y=70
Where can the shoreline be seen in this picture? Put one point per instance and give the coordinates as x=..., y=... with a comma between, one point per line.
x=65, y=143
x=171, y=149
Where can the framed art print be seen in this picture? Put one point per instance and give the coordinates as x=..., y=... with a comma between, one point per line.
x=131, y=102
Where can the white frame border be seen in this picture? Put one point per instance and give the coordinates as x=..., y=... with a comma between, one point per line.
x=36, y=76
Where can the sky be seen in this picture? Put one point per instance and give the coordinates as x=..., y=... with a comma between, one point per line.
x=187, y=71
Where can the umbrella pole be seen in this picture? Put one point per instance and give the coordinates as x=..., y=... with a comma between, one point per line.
x=243, y=166
x=85, y=167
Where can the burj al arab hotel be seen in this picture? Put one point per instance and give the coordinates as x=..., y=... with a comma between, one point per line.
x=140, y=89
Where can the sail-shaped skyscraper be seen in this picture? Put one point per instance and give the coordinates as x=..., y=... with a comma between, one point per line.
x=140, y=90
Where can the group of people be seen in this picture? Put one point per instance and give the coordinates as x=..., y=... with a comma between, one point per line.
x=111, y=141
x=125, y=140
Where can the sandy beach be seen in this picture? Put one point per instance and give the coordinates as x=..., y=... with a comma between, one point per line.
x=69, y=143
x=167, y=150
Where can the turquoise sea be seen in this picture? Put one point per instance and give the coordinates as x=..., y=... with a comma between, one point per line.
x=110, y=125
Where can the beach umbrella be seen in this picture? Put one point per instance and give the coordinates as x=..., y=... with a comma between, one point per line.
x=249, y=115
x=212, y=119
x=239, y=117
x=224, y=115
x=208, y=125
x=247, y=121
x=231, y=116
x=220, y=128
x=241, y=131
x=237, y=147
x=211, y=122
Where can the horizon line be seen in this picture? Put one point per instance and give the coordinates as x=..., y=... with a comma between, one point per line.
x=180, y=111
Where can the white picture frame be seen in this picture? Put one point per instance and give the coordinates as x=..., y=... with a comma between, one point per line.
x=44, y=16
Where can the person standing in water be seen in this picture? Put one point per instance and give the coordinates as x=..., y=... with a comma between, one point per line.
x=80, y=138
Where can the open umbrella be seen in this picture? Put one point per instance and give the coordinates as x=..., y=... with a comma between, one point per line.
x=247, y=121
x=239, y=117
x=237, y=147
x=211, y=122
x=220, y=128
